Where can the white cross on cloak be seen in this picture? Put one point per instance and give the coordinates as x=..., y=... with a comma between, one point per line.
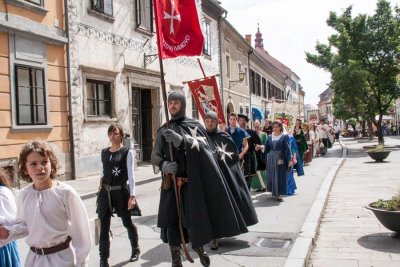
x=224, y=152
x=195, y=139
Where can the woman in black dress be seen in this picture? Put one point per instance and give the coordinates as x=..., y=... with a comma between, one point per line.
x=116, y=196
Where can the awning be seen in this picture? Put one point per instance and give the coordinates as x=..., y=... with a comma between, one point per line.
x=384, y=117
x=258, y=114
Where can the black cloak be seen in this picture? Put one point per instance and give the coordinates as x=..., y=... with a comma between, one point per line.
x=228, y=160
x=208, y=206
x=249, y=157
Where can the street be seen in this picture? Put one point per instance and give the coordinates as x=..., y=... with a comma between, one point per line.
x=267, y=244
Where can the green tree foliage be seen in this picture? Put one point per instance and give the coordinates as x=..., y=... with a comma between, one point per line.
x=363, y=57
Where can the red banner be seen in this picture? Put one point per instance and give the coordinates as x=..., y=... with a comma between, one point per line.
x=205, y=93
x=178, y=28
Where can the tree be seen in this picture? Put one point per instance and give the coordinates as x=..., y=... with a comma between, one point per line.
x=363, y=58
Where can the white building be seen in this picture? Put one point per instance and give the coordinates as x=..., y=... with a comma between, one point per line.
x=115, y=77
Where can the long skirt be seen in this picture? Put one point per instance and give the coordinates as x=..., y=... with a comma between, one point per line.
x=259, y=181
x=9, y=255
x=291, y=183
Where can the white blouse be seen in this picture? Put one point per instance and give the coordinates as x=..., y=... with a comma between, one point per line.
x=46, y=218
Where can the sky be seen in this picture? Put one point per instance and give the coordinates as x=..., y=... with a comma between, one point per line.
x=292, y=27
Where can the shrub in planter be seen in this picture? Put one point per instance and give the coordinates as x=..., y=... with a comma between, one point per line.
x=388, y=213
x=378, y=153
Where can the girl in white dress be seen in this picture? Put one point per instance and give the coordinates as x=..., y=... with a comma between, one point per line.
x=50, y=214
x=9, y=254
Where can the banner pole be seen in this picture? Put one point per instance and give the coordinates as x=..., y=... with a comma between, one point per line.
x=164, y=95
x=201, y=67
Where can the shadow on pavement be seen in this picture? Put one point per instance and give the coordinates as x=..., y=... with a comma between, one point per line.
x=156, y=256
x=230, y=244
x=265, y=200
x=380, y=242
x=150, y=220
x=122, y=263
x=356, y=153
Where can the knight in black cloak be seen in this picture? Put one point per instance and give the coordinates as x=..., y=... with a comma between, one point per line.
x=207, y=205
x=228, y=159
x=249, y=165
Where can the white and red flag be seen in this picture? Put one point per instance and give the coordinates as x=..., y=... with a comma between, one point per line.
x=178, y=28
x=206, y=95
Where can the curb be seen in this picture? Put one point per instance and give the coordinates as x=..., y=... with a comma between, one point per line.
x=303, y=245
x=145, y=181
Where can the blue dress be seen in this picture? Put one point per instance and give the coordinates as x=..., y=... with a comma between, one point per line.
x=277, y=157
x=9, y=255
x=291, y=184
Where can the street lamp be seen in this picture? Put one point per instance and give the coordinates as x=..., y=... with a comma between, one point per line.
x=241, y=78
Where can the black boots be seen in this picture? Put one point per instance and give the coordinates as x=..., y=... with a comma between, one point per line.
x=177, y=260
x=204, y=258
x=104, y=263
x=214, y=244
x=176, y=256
x=135, y=254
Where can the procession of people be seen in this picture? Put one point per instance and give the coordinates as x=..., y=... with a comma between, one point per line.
x=208, y=178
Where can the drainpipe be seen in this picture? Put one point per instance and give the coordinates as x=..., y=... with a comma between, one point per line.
x=70, y=117
x=248, y=78
x=221, y=84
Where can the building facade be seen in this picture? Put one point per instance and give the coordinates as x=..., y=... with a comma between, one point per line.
x=325, y=106
x=235, y=51
x=33, y=79
x=115, y=74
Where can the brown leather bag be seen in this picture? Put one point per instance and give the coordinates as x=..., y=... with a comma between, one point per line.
x=166, y=181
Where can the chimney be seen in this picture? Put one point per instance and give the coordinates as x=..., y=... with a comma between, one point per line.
x=248, y=38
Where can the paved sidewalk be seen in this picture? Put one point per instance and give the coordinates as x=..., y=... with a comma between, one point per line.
x=349, y=234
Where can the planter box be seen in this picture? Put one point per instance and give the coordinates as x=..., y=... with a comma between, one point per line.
x=379, y=156
x=389, y=219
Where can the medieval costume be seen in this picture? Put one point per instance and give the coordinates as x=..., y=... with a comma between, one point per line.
x=260, y=181
x=278, y=156
x=52, y=217
x=249, y=159
x=113, y=198
x=291, y=184
x=207, y=207
x=301, y=142
x=228, y=160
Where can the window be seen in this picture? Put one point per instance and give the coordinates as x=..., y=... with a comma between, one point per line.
x=228, y=66
x=103, y=6
x=98, y=94
x=144, y=15
x=36, y=2
x=264, y=88
x=207, y=39
x=195, y=110
x=252, y=82
x=269, y=85
x=245, y=76
x=31, y=96
x=257, y=84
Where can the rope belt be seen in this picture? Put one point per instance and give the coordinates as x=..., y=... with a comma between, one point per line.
x=51, y=250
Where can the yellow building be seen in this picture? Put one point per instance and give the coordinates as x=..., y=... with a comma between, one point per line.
x=33, y=78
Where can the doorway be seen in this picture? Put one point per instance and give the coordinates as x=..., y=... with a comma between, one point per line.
x=142, y=122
